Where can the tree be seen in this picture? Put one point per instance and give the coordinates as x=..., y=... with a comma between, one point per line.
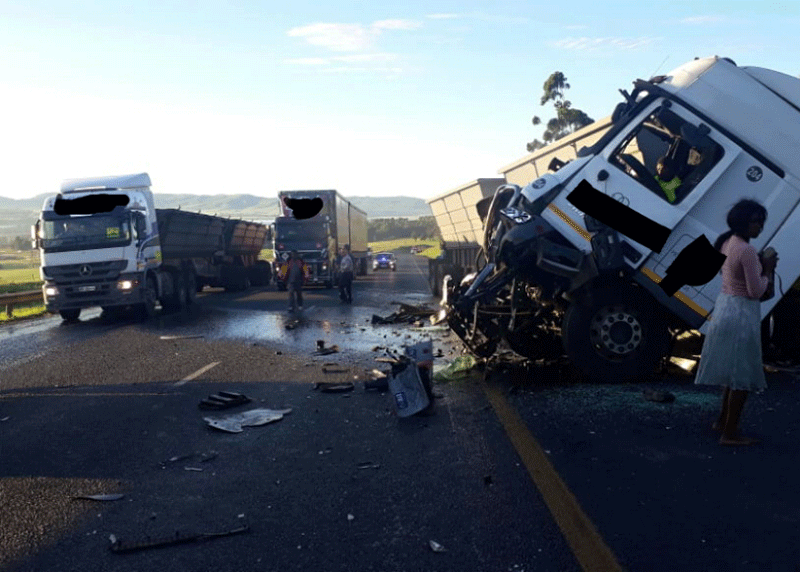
x=567, y=119
x=21, y=243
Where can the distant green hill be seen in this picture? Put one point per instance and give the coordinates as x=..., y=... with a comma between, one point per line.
x=17, y=215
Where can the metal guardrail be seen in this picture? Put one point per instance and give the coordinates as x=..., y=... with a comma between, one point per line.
x=15, y=298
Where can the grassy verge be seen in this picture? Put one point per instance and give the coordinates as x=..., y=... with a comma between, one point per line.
x=23, y=311
x=405, y=244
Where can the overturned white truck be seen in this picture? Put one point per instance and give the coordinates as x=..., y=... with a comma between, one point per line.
x=580, y=260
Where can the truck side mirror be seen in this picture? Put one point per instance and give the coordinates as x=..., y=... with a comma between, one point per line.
x=35, y=235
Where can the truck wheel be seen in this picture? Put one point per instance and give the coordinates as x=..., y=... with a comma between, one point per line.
x=176, y=301
x=621, y=336
x=70, y=315
x=260, y=273
x=234, y=278
x=190, y=284
x=147, y=309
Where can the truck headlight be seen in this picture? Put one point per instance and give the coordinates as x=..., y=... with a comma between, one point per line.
x=50, y=291
x=324, y=267
x=125, y=284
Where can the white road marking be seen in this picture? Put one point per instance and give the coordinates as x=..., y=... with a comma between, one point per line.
x=197, y=374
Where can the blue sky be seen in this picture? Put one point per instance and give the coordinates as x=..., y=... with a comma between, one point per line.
x=379, y=99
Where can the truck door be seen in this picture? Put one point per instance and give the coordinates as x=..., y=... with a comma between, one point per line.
x=626, y=170
x=713, y=172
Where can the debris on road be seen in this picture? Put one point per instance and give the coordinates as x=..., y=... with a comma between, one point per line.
x=223, y=400
x=658, y=396
x=406, y=314
x=188, y=337
x=327, y=351
x=459, y=368
x=369, y=465
x=334, y=369
x=333, y=387
x=378, y=380
x=101, y=498
x=119, y=546
x=255, y=417
x=436, y=547
x=410, y=394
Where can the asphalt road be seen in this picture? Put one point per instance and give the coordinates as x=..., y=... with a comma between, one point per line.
x=518, y=469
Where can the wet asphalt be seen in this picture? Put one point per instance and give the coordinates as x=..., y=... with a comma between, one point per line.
x=342, y=483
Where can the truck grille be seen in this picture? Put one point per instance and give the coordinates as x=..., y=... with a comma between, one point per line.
x=87, y=280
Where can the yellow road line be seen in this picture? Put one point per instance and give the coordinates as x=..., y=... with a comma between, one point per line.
x=589, y=548
x=198, y=373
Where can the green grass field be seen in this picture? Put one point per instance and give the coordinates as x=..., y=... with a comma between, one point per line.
x=19, y=271
x=405, y=244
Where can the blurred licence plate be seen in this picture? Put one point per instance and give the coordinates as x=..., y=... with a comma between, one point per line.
x=87, y=288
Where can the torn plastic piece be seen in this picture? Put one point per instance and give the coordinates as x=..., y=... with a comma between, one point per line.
x=410, y=395
x=119, y=546
x=234, y=423
x=458, y=369
x=102, y=498
x=436, y=547
x=328, y=387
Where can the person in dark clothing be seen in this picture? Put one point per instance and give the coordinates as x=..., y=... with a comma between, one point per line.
x=294, y=281
x=346, y=275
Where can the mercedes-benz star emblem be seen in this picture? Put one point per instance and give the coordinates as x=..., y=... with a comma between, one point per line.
x=86, y=270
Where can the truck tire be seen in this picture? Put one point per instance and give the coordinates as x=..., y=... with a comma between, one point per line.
x=176, y=301
x=620, y=336
x=190, y=283
x=147, y=308
x=234, y=278
x=70, y=315
x=260, y=273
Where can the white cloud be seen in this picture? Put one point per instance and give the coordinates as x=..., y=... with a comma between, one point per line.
x=336, y=37
x=586, y=44
x=444, y=16
x=709, y=19
x=396, y=25
x=348, y=37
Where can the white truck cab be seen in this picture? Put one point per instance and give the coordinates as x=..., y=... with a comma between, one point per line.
x=600, y=234
x=97, y=237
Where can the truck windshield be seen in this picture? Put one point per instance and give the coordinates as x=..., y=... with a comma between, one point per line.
x=294, y=231
x=62, y=233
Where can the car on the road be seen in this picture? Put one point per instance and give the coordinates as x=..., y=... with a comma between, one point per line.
x=384, y=260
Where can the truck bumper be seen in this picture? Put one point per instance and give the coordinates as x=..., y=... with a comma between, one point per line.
x=124, y=291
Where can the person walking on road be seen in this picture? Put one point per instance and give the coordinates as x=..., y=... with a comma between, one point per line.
x=294, y=281
x=731, y=355
x=346, y=276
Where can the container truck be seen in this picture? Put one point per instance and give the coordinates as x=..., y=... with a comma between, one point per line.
x=103, y=243
x=596, y=259
x=320, y=223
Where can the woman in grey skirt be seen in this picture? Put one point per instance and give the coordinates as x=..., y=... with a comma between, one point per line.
x=731, y=355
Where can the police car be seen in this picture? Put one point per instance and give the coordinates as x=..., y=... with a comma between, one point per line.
x=384, y=260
